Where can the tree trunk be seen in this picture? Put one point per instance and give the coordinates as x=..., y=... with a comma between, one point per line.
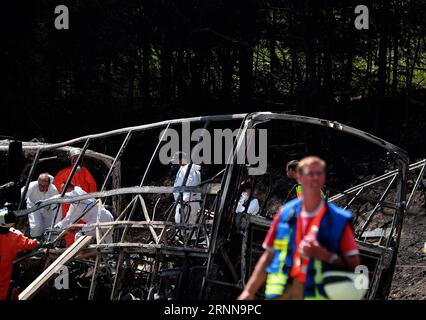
x=165, y=69
x=383, y=49
x=131, y=87
x=395, y=65
x=407, y=63
x=311, y=81
x=245, y=73
x=180, y=76
x=293, y=53
x=273, y=57
x=327, y=85
x=247, y=21
x=413, y=64
x=146, y=74
x=227, y=64
x=366, y=85
x=196, y=78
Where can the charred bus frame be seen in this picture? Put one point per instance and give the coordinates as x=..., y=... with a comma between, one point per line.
x=158, y=258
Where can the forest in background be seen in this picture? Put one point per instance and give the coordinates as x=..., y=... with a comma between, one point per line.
x=132, y=62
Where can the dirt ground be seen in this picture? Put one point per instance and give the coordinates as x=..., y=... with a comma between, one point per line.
x=409, y=281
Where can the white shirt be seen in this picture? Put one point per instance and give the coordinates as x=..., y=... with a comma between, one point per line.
x=34, y=194
x=311, y=214
x=253, y=206
x=194, y=179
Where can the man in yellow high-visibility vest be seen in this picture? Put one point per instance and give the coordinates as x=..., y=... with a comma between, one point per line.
x=291, y=167
x=291, y=170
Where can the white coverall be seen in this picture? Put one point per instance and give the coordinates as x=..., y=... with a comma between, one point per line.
x=91, y=217
x=253, y=207
x=41, y=219
x=191, y=207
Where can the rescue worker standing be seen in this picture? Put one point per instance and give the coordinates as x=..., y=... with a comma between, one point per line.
x=291, y=168
x=41, y=189
x=307, y=237
x=188, y=211
x=11, y=243
x=81, y=178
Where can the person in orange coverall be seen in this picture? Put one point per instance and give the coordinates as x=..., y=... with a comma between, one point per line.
x=81, y=178
x=11, y=242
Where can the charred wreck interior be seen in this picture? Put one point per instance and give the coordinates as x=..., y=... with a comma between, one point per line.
x=152, y=257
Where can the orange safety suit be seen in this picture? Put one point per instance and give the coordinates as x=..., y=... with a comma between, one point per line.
x=10, y=244
x=81, y=178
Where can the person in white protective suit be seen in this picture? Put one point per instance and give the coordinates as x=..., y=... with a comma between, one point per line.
x=40, y=190
x=92, y=216
x=188, y=212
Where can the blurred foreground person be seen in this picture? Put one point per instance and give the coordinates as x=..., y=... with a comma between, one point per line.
x=308, y=237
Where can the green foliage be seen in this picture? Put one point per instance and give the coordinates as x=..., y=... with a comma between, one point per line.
x=147, y=59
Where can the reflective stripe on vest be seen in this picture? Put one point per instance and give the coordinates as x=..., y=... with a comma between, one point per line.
x=277, y=277
x=318, y=281
x=299, y=191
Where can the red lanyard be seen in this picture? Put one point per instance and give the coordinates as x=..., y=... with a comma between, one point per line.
x=300, y=264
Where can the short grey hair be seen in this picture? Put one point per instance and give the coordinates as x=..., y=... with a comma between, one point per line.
x=45, y=176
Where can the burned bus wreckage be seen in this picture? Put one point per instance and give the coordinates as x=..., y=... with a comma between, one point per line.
x=213, y=258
